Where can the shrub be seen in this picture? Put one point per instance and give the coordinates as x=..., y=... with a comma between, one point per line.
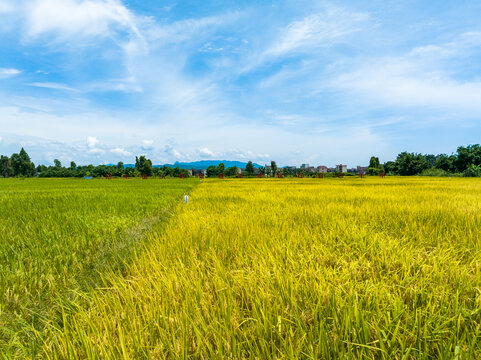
x=473, y=171
x=434, y=172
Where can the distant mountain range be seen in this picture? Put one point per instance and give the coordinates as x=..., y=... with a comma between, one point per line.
x=203, y=164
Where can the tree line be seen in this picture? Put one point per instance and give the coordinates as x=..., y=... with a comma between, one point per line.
x=465, y=162
x=20, y=165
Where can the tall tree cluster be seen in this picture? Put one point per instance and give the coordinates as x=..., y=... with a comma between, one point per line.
x=143, y=165
x=375, y=167
x=17, y=165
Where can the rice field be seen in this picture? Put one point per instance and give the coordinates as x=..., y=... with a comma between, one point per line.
x=58, y=235
x=251, y=268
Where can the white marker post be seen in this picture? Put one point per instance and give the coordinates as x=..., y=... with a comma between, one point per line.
x=186, y=199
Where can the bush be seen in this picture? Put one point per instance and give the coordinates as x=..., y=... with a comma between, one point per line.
x=434, y=172
x=473, y=171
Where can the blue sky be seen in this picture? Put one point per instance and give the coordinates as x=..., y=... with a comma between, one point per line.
x=100, y=81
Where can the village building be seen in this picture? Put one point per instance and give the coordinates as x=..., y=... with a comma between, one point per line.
x=361, y=169
x=197, y=172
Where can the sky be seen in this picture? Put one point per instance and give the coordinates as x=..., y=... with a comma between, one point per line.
x=299, y=81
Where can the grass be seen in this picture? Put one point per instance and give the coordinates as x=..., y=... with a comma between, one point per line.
x=58, y=235
x=288, y=268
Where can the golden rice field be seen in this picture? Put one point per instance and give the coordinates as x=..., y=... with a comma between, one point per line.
x=270, y=269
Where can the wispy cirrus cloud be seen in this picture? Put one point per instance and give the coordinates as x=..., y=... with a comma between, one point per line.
x=6, y=73
x=323, y=29
x=191, y=29
x=53, y=86
x=317, y=30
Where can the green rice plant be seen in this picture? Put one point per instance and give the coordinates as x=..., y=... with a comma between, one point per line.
x=58, y=235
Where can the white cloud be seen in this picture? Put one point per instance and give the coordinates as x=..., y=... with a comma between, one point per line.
x=51, y=85
x=92, y=141
x=395, y=84
x=120, y=151
x=74, y=17
x=461, y=45
x=190, y=29
x=95, y=151
x=423, y=78
x=127, y=85
x=147, y=144
x=317, y=30
x=314, y=31
x=174, y=153
x=196, y=107
x=206, y=152
x=5, y=73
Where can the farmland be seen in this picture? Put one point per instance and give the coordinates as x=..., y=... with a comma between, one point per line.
x=250, y=268
x=58, y=235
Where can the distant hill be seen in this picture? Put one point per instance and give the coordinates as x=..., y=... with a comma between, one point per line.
x=204, y=164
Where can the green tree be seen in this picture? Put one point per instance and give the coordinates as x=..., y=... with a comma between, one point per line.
x=273, y=168
x=375, y=167
x=250, y=168
x=5, y=166
x=212, y=171
x=22, y=165
x=57, y=164
x=467, y=156
x=431, y=159
x=390, y=167
x=143, y=165
x=120, y=165
x=374, y=162
x=177, y=171
x=73, y=165
x=220, y=168
x=41, y=169
x=473, y=171
x=446, y=163
x=231, y=171
x=411, y=163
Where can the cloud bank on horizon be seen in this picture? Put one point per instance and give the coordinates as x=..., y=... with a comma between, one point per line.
x=100, y=81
